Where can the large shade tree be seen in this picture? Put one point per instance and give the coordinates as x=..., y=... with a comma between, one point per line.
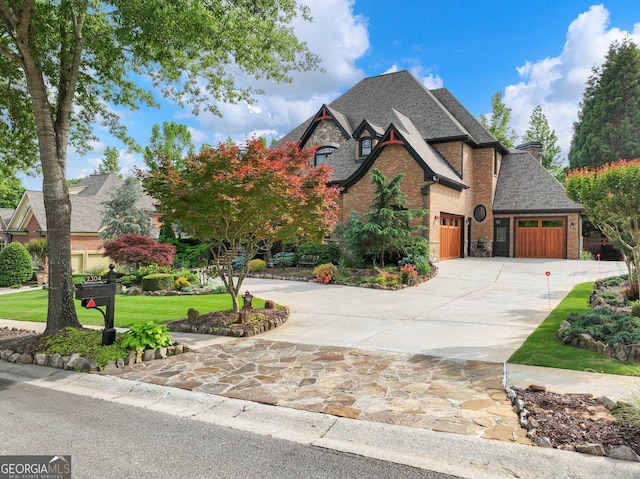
x=609, y=122
x=610, y=196
x=67, y=64
x=236, y=199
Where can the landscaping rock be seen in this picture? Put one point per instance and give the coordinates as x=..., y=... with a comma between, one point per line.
x=90, y=366
x=608, y=403
x=624, y=453
x=589, y=448
x=149, y=355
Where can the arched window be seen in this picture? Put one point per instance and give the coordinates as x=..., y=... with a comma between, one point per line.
x=322, y=154
x=366, y=145
x=2, y=244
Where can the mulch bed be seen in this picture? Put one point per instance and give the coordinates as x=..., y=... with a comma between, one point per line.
x=568, y=420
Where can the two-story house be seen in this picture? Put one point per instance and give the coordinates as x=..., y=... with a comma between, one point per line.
x=483, y=199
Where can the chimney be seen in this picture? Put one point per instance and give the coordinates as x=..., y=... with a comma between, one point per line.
x=533, y=147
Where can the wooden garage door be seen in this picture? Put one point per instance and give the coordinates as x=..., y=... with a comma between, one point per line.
x=450, y=237
x=541, y=238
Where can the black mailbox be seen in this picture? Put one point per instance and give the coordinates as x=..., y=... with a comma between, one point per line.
x=101, y=293
x=92, y=294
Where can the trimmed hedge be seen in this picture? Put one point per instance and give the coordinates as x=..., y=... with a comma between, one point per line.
x=326, y=253
x=15, y=265
x=157, y=282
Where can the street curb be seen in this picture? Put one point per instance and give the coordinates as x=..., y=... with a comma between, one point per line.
x=464, y=456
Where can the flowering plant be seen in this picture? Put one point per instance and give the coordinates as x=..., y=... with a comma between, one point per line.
x=409, y=274
x=325, y=273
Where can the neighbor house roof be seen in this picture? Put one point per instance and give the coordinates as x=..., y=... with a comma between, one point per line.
x=5, y=216
x=525, y=185
x=87, y=198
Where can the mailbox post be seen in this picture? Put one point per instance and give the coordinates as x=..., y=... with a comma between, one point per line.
x=101, y=293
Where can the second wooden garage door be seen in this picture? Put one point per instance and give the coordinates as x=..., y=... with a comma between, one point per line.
x=541, y=238
x=450, y=237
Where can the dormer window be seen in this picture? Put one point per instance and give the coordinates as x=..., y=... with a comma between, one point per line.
x=366, y=145
x=322, y=154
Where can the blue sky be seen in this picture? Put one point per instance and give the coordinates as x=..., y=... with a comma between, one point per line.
x=533, y=52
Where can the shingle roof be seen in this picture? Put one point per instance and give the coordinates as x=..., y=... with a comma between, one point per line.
x=479, y=133
x=525, y=185
x=5, y=215
x=86, y=204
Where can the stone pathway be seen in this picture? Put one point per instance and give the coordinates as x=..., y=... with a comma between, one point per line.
x=455, y=396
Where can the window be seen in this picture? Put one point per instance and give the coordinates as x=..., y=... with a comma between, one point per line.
x=552, y=223
x=480, y=213
x=322, y=154
x=528, y=223
x=366, y=145
x=2, y=244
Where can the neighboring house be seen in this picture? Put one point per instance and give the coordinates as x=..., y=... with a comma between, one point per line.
x=28, y=221
x=483, y=199
x=5, y=216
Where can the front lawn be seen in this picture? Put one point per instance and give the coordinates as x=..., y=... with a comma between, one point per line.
x=542, y=348
x=32, y=306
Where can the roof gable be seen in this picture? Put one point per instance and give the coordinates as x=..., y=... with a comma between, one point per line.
x=525, y=185
x=326, y=113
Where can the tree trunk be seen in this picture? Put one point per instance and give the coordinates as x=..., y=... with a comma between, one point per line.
x=52, y=143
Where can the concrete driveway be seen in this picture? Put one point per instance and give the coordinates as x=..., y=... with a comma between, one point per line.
x=475, y=308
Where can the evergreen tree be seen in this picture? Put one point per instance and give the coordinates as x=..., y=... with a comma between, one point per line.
x=110, y=163
x=122, y=216
x=609, y=122
x=539, y=130
x=387, y=225
x=498, y=123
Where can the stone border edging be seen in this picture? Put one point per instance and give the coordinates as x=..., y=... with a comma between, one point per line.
x=77, y=363
x=267, y=325
x=623, y=453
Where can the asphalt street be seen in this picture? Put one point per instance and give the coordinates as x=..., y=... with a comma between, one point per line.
x=116, y=441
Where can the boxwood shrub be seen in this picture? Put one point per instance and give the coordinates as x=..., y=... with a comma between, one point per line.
x=15, y=265
x=157, y=282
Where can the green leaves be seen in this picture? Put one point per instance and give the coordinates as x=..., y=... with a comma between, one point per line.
x=147, y=335
x=498, y=123
x=608, y=125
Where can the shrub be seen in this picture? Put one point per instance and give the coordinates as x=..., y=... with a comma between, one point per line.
x=613, y=281
x=586, y=255
x=147, y=335
x=237, y=263
x=610, y=297
x=604, y=325
x=15, y=265
x=327, y=253
x=387, y=279
x=631, y=293
x=188, y=275
x=256, y=265
x=421, y=264
x=38, y=249
x=415, y=245
x=127, y=280
x=325, y=273
x=283, y=260
x=181, y=283
x=157, y=282
x=635, y=308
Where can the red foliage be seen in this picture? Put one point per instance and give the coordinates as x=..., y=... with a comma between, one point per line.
x=139, y=250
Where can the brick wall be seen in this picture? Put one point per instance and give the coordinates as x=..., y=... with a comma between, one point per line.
x=453, y=152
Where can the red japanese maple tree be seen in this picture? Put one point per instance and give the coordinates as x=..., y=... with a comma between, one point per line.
x=244, y=198
x=139, y=250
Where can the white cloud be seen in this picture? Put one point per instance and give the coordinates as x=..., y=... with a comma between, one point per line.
x=557, y=83
x=339, y=37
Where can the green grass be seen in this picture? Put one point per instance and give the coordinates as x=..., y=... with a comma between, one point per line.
x=542, y=348
x=32, y=306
